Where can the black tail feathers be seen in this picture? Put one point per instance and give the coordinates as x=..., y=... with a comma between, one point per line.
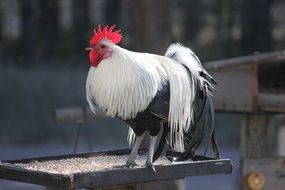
x=162, y=142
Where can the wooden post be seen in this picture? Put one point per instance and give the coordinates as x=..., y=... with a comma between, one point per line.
x=280, y=121
x=257, y=138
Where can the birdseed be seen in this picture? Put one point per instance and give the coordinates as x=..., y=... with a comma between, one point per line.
x=84, y=165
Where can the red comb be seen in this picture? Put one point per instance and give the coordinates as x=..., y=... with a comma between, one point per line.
x=106, y=33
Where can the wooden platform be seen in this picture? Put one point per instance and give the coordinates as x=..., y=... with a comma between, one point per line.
x=11, y=170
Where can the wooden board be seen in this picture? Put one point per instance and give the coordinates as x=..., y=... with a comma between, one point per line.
x=271, y=102
x=263, y=58
x=236, y=89
x=110, y=177
x=273, y=169
x=76, y=115
x=257, y=135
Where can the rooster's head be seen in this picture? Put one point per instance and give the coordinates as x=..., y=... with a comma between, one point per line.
x=100, y=44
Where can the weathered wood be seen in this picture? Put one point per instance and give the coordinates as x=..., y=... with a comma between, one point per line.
x=236, y=89
x=76, y=115
x=11, y=172
x=264, y=58
x=279, y=122
x=112, y=176
x=257, y=135
x=273, y=169
x=257, y=139
x=138, y=175
x=271, y=102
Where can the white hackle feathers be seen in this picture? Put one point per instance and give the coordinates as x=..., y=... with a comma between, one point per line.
x=125, y=83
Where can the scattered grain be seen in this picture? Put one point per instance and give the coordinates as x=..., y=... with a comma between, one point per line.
x=84, y=165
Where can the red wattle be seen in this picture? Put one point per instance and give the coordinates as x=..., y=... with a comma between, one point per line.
x=94, y=58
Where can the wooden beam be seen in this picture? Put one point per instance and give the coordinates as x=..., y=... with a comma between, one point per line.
x=271, y=102
x=75, y=115
x=264, y=58
x=237, y=89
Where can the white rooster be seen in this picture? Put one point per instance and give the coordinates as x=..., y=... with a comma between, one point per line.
x=151, y=93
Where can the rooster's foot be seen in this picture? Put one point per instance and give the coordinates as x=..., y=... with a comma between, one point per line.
x=150, y=165
x=131, y=164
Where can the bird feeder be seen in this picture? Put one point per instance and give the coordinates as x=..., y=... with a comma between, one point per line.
x=104, y=169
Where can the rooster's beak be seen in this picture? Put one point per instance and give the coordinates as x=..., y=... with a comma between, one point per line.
x=88, y=48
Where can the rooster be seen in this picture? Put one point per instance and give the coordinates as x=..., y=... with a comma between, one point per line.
x=150, y=93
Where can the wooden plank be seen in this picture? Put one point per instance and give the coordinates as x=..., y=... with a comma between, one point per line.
x=264, y=58
x=272, y=168
x=271, y=102
x=236, y=89
x=75, y=115
x=163, y=172
x=12, y=172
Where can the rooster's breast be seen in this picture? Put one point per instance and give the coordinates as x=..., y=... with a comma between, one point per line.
x=157, y=111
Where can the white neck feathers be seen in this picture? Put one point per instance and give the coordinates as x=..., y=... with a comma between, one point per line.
x=125, y=83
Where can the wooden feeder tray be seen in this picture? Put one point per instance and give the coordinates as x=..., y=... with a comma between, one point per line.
x=20, y=170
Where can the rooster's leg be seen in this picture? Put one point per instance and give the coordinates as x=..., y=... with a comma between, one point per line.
x=150, y=152
x=131, y=160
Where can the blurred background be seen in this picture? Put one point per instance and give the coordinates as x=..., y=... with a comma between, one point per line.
x=43, y=65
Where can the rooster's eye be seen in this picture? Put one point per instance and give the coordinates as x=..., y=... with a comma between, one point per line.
x=103, y=46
